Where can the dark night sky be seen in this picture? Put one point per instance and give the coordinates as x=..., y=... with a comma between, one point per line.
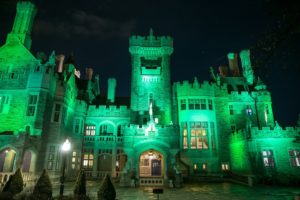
x=97, y=32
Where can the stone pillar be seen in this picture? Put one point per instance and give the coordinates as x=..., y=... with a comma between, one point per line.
x=112, y=83
x=89, y=73
x=233, y=64
x=247, y=67
x=60, y=62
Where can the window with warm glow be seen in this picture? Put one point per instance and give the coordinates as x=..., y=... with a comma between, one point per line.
x=199, y=135
x=88, y=160
x=90, y=130
x=225, y=166
x=185, y=135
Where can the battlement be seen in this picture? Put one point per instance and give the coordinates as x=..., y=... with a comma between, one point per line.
x=276, y=132
x=151, y=41
x=267, y=132
x=196, y=88
x=108, y=111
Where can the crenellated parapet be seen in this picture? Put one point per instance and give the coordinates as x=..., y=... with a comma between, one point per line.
x=108, y=111
x=186, y=88
x=149, y=44
x=276, y=132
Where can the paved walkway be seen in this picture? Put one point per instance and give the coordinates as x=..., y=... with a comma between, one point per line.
x=205, y=191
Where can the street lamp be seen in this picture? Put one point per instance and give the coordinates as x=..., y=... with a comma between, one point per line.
x=66, y=146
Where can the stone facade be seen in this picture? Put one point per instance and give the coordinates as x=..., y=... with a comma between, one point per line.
x=224, y=126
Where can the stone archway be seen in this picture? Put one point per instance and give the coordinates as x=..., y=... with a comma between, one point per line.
x=7, y=160
x=151, y=164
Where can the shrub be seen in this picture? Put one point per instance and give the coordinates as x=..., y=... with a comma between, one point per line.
x=15, y=183
x=80, y=187
x=43, y=188
x=107, y=190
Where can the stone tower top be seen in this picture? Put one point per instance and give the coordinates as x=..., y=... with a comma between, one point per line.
x=21, y=31
x=151, y=41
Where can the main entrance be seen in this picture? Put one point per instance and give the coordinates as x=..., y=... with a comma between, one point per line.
x=151, y=164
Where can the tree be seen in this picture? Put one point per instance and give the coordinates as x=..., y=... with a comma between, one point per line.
x=107, y=190
x=43, y=188
x=15, y=183
x=80, y=187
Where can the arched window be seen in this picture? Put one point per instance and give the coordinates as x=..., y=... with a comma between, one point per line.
x=120, y=130
x=106, y=129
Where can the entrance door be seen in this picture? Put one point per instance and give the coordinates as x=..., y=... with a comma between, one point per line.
x=156, y=167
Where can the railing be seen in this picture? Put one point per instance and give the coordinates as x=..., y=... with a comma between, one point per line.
x=103, y=139
x=151, y=181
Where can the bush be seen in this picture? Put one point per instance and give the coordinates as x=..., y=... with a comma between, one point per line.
x=15, y=183
x=80, y=187
x=107, y=190
x=43, y=188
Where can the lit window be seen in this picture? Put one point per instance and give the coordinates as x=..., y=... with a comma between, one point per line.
x=56, y=115
x=195, y=167
x=210, y=104
x=51, y=156
x=204, y=166
x=294, y=158
x=90, y=130
x=231, y=112
x=268, y=158
x=88, y=159
x=185, y=135
x=225, y=167
x=32, y=102
x=74, y=159
x=249, y=110
x=199, y=135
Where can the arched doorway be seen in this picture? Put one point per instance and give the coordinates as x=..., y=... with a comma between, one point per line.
x=151, y=164
x=29, y=160
x=7, y=160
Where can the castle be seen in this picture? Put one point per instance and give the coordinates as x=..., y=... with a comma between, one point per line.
x=214, y=128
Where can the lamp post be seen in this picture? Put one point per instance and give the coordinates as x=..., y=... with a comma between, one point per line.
x=64, y=148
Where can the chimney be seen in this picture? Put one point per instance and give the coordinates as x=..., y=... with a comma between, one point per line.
x=112, y=83
x=223, y=70
x=89, y=73
x=60, y=62
x=233, y=64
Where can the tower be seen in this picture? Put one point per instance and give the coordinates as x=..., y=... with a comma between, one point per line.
x=21, y=31
x=150, y=78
